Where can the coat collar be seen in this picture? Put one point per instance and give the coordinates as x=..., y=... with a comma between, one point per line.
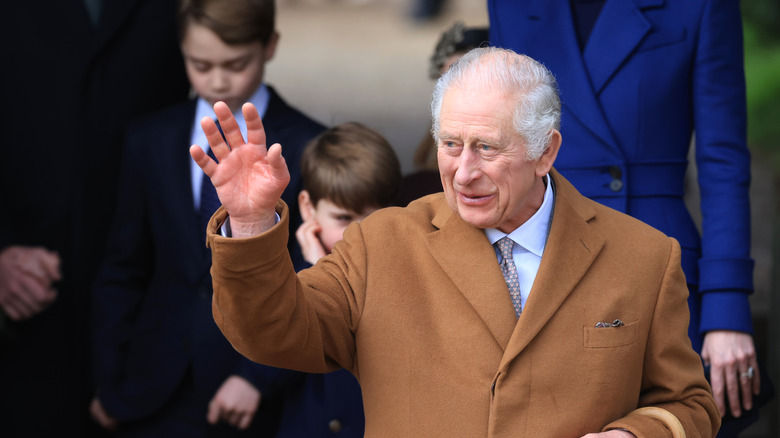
x=469, y=260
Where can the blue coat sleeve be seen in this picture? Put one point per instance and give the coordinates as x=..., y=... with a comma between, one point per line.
x=723, y=162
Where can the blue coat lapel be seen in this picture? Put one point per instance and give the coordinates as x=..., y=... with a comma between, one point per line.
x=562, y=56
x=619, y=29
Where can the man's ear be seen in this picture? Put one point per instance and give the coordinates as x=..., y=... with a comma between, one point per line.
x=545, y=162
x=305, y=205
x=270, y=48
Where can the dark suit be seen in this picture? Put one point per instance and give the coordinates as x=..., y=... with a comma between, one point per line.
x=651, y=73
x=320, y=405
x=153, y=326
x=61, y=178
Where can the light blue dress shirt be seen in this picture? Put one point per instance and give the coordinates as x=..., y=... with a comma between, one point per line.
x=530, y=239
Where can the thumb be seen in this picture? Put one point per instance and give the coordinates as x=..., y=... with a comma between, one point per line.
x=212, y=416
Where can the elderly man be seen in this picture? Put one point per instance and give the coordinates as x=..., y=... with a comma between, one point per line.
x=573, y=324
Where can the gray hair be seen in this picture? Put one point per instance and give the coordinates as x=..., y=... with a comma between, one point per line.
x=538, y=108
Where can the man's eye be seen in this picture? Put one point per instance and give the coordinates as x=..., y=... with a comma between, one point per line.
x=451, y=147
x=486, y=150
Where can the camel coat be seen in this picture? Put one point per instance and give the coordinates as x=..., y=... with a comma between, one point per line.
x=413, y=302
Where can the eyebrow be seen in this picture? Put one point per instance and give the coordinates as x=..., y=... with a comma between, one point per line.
x=444, y=136
x=228, y=61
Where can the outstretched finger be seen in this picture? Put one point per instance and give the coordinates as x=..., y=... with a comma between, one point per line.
x=205, y=162
x=278, y=165
x=214, y=137
x=255, y=132
x=229, y=126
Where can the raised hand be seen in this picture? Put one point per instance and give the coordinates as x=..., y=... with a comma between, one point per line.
x=249, y=177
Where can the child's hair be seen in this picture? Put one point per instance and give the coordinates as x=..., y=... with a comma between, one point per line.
x=234, y=21
x=352, y=166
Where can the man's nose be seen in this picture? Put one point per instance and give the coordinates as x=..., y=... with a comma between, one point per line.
x=468, y=167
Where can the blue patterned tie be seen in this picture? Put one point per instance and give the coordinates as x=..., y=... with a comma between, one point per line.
x=509, y=270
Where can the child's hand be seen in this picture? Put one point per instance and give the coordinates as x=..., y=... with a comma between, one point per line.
x=235, y=402
x=100, y=415
x=309, y=241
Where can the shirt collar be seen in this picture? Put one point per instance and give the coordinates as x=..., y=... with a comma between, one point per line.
x=532, y=235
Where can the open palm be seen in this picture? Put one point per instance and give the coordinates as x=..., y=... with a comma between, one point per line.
x=249, y=177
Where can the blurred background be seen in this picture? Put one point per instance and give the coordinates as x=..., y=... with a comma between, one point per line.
x=367, y=60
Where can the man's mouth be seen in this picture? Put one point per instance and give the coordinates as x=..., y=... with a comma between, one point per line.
x=473, y=198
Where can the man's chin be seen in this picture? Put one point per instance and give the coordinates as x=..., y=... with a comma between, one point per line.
x=476, y=219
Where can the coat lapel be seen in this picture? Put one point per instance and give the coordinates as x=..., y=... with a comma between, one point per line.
x=619, y=29
x=571, y=249
x=469, y=260
x=562, y=56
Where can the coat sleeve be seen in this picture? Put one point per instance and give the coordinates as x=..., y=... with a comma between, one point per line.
x=312, y=328
x=673, y=378
x=723, y=163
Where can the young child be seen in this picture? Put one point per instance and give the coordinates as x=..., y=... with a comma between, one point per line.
x=349, y=172
x=162, y=366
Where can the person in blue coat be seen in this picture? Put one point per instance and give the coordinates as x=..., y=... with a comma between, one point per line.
x=639, y=81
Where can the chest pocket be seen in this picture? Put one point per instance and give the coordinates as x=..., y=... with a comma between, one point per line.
x=610, y=337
